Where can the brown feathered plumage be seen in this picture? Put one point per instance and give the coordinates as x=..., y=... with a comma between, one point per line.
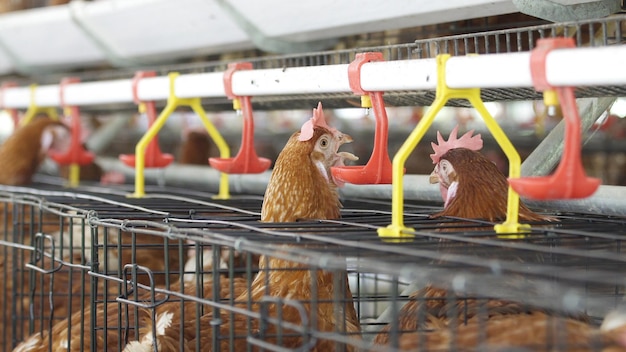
x=149, y=253
x=434, y=307
x=22, y=152
x=536, y=331
x=482, y=189
x=69, y=339
x=20, y=157
x=300, y=188
x=472, y=188
x=195, y=148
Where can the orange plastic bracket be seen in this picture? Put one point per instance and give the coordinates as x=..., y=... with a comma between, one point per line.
x=569, y=180
x=11, y=111
x=76, y=155
x=378, y=169
x=246, y=161
x=153, y=156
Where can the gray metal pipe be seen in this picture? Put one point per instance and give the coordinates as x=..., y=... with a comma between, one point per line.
x=100, y=140
x=608, y=200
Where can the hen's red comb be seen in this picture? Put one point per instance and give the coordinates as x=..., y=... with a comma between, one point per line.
x=318, y=120
x=466, y=141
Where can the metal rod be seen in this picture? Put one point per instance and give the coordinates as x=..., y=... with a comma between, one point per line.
x=100, y=140
x=608, y=200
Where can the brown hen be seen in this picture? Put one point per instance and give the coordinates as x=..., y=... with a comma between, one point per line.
x=75, y=334
x=20, y=157
x=471, y=185
x=25, y=149
x=472, y=188
x=433, y=308
x=301, y=187
x=196, y=148
x=70, y=284
x=536, y=331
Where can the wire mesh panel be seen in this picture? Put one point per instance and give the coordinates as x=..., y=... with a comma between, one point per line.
x=23, y=301
x=183, y=272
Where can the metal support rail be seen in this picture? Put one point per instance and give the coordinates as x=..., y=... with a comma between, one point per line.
x=608, y=200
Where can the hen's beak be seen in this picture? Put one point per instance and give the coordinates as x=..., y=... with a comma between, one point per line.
x=345, y=138
x=342, y=156
x=433, y=177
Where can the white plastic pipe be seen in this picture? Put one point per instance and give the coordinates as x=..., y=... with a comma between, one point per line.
x=399, y=75
x=117, y=91
x=18, y=97
x=153, y=88
x=293, y=80
x=200, y=85
x=489, y=71
x=587, y=66
x=48, y=95
x=565, y=67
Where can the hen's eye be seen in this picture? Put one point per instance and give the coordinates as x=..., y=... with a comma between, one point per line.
x=324, y=142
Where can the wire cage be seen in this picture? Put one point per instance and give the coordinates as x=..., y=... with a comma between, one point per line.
x=92, y=269
x=202, y=274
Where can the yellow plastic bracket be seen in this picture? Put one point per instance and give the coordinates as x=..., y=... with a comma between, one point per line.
x=397, y=229
x=33, y=109
x=236, y=104
x=550, y=98
x=174, y=102
x=74, y=175
x=366, y=101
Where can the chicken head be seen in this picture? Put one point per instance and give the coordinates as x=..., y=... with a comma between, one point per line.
x=325, y=154
x=301, y=185
x=471, y=185
x=444, y=172
x=325, y=151
x=56, y=138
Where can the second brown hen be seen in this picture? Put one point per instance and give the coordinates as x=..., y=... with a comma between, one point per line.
x=472, y=188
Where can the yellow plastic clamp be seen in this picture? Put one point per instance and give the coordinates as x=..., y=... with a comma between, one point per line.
x=397, y=229
x=33, y=109
x=174, y=102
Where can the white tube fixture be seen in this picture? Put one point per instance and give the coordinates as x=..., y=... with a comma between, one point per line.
x=565, y=67
x=18, y=97
x=104, y=92
x=399, y=75
x=489, y=71
x=48, y=95
x=153, y=88
x=292, y=80
x=200, y=85
x=587, y=66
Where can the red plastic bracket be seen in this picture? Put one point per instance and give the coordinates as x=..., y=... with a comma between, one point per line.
x=154, y=157
x=378, y=169
x=246, y=161
x=12, y=112
x=569, y=180
x=76, y=154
